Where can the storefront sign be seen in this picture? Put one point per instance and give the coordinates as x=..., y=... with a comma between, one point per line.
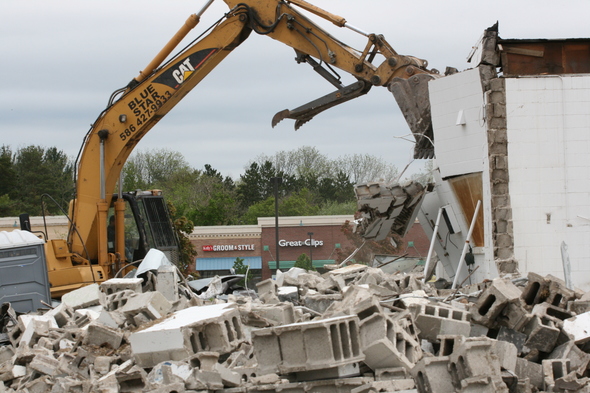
x=229, y=247
x=301, y=243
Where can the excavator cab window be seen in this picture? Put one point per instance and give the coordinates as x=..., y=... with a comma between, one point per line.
x=132, y=237
x=147, y=225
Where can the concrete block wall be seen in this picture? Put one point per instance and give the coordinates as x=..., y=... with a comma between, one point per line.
x=548, y=144
x=502, y=233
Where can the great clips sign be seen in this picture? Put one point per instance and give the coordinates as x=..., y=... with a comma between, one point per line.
x=229, y=247
x=301, y=243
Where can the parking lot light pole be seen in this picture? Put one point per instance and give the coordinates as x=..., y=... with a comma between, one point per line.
x=310, y=247
x=276, y=181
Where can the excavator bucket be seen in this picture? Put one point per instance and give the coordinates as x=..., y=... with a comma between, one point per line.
x=412, y=98
x=306, y=112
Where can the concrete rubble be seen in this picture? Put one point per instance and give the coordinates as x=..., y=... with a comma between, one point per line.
x=353, y=329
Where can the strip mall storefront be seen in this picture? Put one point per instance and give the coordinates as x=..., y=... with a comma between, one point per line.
x=319, y=237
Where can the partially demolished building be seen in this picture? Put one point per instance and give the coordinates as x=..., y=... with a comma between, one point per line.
x=513, y=133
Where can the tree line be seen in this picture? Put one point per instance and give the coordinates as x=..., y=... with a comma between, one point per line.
x=37, y=180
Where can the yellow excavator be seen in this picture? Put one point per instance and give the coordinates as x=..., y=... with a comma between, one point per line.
x=90, y=254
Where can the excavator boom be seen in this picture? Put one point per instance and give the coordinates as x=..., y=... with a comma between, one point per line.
x=135, y=109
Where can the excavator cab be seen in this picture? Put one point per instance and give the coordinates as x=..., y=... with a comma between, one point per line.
x=147, y=225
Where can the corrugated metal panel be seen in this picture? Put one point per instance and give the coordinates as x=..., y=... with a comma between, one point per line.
x=227, y=263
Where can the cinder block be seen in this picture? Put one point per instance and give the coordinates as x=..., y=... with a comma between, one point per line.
x=559, y=293
x=115, y=285
x=557, y=314
x=275, y=314
x=482, y=384
x=398, y=349
x=100, y=335
x=542, y=334
x=474, y=358
x=572, y=352
x=507, y=354
x=448, y=343
x=118, y=299
x=62, y=314
x=145, y=307
x=44, y=364
x=432, y=375
x=268, y=286
x=578, y=306
x=320, y=303
x=311, y=345
x=529, y=370
x=35, y=329
x=493, y=300
x=82, y=297
x=536, y=291
x=432, y=321
x=215, y=328
x=554, y=369
x=167, y=282
x=512, y=336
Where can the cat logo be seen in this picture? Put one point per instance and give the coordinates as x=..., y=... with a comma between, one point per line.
x=184, y=70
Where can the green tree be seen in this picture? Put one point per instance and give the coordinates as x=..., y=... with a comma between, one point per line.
x=39, y=172
x=304, y=262
x=150, y=169
x=297, y=204
x=9, y=183
x=241, y=268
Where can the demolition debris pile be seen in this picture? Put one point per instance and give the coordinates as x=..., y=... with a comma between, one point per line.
x=353, y=329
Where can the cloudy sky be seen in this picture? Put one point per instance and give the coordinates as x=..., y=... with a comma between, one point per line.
x=61, y=60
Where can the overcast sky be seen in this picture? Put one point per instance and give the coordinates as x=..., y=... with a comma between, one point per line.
x=62, y=59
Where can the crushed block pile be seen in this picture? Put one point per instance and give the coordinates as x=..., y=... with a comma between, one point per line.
x=354, y=329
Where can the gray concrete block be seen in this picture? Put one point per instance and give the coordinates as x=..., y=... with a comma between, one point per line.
x=82, y=297
x=512, y=336
x=398, y=349
x=144, y=307
x=432, y=321
x=167, y=282
x=44, y=364
x=115, y=285
x=62, y=314
x=432, y=375
x=573, y=353
x=214, y=328
x=474, y=358
x=118, y=299
x=311, y=345
x=493, y=300
x=507, y=354
x=542, y=334
x=554, y=369
x=320, y=303
x=103, y=336
x=529, y=370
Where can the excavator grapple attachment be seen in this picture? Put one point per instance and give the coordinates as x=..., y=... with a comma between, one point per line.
x=412, y=98
x=306, y=112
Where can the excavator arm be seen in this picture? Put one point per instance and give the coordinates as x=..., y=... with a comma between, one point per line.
x=134, y=110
